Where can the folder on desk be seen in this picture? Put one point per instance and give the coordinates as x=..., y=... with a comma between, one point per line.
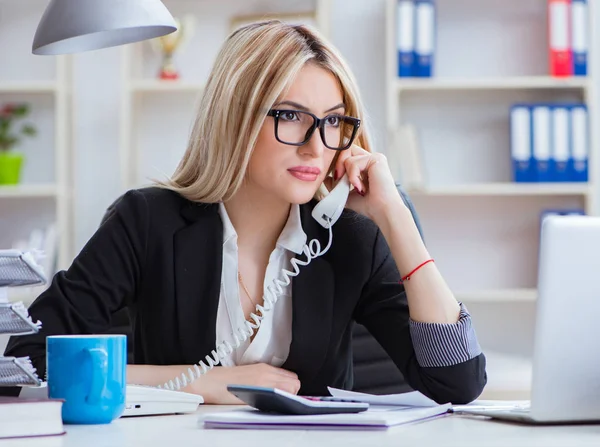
x=579, y=36
x=405, y=36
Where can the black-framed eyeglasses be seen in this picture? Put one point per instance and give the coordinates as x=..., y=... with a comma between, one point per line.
x=296, y=127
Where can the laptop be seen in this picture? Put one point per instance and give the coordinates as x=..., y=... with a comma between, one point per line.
x=566, y=359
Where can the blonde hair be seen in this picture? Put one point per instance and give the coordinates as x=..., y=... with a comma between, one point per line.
x=252, y=71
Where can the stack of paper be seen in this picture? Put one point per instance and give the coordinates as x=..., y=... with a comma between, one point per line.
x=17, y=269
x=375, y=418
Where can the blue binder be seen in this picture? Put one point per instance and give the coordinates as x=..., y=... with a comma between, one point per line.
x=560, y=159
x=405, y=37
x=425, y=38
x=542, y=142
x=579, y=143
x=521, y=143
x=579, y=36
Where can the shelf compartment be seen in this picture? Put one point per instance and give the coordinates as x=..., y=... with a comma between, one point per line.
x=487, y=245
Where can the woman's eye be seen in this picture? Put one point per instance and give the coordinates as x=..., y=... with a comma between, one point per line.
x=289, y=116
x=333, y=121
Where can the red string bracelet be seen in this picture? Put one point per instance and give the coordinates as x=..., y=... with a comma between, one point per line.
x=407, y=277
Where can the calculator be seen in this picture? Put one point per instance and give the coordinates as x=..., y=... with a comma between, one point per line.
x=273, y=400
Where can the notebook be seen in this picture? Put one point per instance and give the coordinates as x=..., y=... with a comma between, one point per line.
x=375, y=418
x=21, y=417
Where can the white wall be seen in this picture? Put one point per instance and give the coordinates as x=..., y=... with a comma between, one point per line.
x=96, y=90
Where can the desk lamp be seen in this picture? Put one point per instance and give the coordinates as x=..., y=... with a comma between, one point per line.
x=72, y=26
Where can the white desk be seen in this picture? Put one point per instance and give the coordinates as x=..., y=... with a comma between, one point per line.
x=183, y=431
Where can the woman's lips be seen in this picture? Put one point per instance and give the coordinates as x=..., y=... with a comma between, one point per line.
x=305, y=173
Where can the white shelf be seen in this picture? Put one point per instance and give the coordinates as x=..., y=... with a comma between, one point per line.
x=28, y=87
x=157, y=85
x=24, y=190
x=505, y=189
x=491, y=83
x=497, y=295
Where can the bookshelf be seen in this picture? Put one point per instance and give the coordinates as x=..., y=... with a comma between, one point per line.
x=44, y=195
x=143, y=154
x=481, y=227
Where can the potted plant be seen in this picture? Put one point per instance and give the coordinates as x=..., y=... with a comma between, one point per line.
x=11, y=161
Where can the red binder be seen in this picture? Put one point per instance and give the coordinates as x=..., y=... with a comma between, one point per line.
x=559, y=38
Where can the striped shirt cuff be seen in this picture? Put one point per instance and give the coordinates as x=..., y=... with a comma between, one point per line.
x=439, y=344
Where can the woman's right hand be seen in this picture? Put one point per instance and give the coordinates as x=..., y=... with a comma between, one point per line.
x=213, y=385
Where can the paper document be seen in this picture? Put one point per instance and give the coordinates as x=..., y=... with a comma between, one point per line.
x=411, y=399
x=416, y=399
x=378, y=418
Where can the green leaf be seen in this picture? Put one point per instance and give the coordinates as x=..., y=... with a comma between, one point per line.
x=29, y=130
x=21, y=110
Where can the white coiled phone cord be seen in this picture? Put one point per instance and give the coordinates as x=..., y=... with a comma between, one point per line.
x=311, y=250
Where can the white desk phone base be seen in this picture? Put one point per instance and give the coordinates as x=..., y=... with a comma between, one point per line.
x=141, y=400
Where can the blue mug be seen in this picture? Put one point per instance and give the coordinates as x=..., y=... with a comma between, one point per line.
x=89, y=373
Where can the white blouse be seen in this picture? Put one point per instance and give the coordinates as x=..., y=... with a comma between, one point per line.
x=271, y=343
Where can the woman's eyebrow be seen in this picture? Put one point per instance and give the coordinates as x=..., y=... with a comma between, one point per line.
x=301, y=107
x=339, y=106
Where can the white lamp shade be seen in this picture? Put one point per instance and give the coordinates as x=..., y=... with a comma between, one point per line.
x=71, y=26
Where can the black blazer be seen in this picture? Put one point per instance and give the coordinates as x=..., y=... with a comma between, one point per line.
x=160, y=255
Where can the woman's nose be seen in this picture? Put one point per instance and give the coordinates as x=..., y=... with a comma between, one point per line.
x=314, y=146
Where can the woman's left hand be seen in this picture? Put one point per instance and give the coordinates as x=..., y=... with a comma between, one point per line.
x=375, y=190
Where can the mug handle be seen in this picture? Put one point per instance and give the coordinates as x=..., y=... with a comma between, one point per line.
x=99, y=374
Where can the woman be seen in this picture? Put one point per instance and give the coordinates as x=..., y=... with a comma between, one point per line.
x=191, y=258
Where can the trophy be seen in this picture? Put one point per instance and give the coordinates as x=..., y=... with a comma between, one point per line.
x=168, y=45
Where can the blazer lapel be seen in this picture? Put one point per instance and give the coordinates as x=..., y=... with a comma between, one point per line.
x=198, y=251
x=312, y=307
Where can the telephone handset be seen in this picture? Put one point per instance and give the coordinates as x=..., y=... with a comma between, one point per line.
x=330, y=208
x=326, y=212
